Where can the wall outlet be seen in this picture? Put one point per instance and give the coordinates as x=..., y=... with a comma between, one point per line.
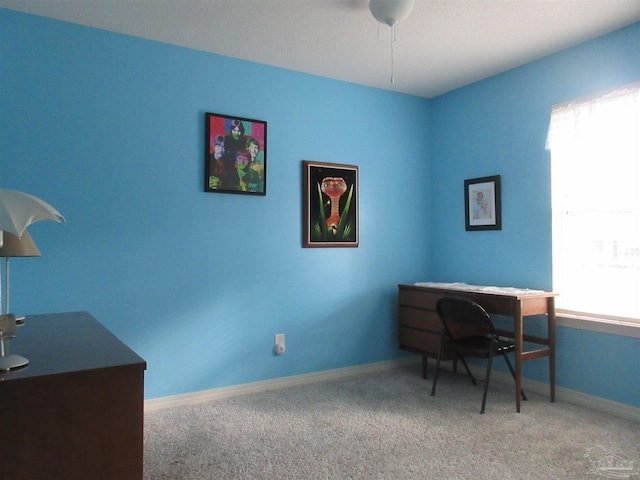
x=278, y=343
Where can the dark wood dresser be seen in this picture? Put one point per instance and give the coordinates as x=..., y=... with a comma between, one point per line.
x=76, y=410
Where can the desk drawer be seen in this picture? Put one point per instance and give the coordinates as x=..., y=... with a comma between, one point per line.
x=418, y=298
x=411, y=338
x=422, y=319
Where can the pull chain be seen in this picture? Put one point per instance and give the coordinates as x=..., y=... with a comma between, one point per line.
x=394, y=37
x=393, y=34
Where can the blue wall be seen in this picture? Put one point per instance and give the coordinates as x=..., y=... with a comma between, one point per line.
x=109, y=129
x=498, y=127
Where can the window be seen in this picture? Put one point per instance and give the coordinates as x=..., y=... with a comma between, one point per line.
x=595, y=183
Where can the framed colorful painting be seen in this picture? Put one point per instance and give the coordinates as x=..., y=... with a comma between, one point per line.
x=235, y=155
x=330, y=208
x=482, y=206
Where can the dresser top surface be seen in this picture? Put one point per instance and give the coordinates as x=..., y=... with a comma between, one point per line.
x=60, y=343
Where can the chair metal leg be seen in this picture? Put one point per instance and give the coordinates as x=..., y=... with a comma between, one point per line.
x=513, y=373
x=486, y=383
x=473, y=380
x=425, y=364
x=435, y=377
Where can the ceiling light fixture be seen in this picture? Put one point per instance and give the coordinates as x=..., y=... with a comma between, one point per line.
x=391, y=12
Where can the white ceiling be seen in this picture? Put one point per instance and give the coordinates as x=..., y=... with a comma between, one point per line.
x=442, y=45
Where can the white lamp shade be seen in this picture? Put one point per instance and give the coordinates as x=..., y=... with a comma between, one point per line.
x=18, y=210
x=390, y=11
x=14, y=246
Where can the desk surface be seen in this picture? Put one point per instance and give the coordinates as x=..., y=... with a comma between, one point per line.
x=56, y=343
x=498, y=300
x=512, y=292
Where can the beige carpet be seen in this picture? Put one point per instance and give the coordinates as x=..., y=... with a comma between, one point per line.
x=386, y=426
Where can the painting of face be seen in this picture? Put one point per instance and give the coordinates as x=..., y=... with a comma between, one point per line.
x=330, y=205
x=235, y=155
x=482, y=203
x=253, y=150
x=218, y=150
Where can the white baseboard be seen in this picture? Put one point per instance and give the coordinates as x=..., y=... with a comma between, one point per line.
x=274, y=384
x=564, y=394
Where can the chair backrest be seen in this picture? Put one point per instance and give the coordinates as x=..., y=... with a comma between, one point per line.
x=464, y=318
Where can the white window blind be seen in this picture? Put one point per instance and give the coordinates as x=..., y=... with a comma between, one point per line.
x=595, y=174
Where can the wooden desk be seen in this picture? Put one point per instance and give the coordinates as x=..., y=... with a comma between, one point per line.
x=420, y=324
x=76, y=410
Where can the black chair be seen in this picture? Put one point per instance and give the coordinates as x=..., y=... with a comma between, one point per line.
x=469, y=332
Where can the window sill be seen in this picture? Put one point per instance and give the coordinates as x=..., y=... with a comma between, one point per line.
x=595, y=324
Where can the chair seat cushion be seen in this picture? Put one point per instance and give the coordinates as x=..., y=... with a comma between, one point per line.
x=478, y=346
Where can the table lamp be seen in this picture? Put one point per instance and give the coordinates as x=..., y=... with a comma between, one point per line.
x=12, y=246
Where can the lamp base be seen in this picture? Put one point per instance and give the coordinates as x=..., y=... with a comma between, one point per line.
x=10, y=362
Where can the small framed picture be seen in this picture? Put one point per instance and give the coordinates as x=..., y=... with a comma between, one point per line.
x=330, y=207
x=482, y=203
x=235, y=155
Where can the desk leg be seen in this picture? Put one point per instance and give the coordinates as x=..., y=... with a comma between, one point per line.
x=551, y=319
x=425, y=361
x=517, y=320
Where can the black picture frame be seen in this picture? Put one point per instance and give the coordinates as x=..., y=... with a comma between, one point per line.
x=235, y=163
x=330, y=205
x=482, y=203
